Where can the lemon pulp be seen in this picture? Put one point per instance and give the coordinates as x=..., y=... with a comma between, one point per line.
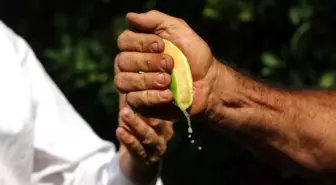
x=181, y=82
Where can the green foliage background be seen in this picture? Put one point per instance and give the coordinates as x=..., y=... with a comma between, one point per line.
x=288, y=42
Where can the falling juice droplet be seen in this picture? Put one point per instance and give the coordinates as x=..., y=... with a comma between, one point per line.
x=190, y=131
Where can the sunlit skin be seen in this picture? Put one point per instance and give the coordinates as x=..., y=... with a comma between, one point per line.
x=142, y=141
x=291, y=129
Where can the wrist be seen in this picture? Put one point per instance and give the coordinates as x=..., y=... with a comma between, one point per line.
x=225, y=83
x=234, y=99
x=137, y=171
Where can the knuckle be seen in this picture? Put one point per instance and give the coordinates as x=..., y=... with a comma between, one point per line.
x=177, y=25
x=142, y=153
x=162, y=146
x=131, y=99
x=169, y=136
x=153, y=12
x=118, y=81
x=136, y=122
x=147, y=98
x=122, y=56
x=148, y=138
x=130, y=141
x=133, y=143
x=181, y=21
x=142, y=42
x=146, y=132
x=170, y=133
x=120, y=121
x=115, y=64
x=155, y=123
x=144, y=81
x=154, y=159
x=171, y=27
x=162, y=149
x=122, y=39
x=116, y=58
x=147, y=141
x=123, y=61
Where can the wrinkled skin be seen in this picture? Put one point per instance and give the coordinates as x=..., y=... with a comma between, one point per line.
x=142, y=46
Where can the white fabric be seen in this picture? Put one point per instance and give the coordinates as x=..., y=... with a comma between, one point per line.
x=43, y=140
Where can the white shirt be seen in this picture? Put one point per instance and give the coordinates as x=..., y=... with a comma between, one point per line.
x=43, y=140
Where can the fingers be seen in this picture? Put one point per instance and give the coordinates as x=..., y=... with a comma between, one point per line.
x=155, y=22
x=139, y=137
x=144, y=62
x=141, y=42
x=129, y=82
x=143, y=131
x=128, y=64
x=142, y=52
x=148, y=98
x=131, y=143
x=162, y=127
x=154, y=104
x=121, y=97
x=147, y=22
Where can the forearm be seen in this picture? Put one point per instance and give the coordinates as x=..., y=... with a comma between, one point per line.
x=138, y=173
x=299, y=124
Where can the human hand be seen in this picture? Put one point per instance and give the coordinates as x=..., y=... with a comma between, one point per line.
x=144, y=139
x=142, y=47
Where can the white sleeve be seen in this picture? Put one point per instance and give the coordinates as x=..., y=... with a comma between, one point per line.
x=67, y=151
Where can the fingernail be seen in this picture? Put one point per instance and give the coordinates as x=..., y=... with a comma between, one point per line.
x=155, y=47
x=165, y=94
x=160, y=78
x=167, y=62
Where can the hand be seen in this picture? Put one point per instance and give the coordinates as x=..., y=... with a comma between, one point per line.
x=142, y=47
x=145, y=139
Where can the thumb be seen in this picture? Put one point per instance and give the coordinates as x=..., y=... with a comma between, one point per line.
x=152, y=21
x=165, y=26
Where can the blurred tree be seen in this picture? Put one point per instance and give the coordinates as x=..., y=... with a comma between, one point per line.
x=291, y=42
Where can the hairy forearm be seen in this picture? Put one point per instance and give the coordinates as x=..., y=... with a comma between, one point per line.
x=300, y=125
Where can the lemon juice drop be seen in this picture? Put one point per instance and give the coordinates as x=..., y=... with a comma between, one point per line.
x=181, y=82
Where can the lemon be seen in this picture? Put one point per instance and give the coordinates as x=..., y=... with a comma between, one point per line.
x=181, y=78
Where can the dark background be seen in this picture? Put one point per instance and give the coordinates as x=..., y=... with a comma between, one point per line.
x=290, y=42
